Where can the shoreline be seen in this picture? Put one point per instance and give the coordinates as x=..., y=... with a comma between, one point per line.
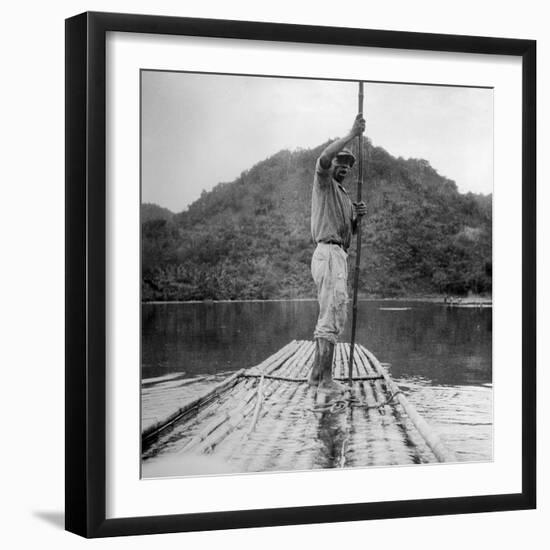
x=457, y=302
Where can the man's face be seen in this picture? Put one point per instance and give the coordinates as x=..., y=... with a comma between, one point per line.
x=340, y=169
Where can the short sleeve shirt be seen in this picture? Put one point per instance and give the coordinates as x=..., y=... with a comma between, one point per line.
x=331, y=209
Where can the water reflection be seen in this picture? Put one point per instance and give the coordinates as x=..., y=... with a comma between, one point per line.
x=430, y=341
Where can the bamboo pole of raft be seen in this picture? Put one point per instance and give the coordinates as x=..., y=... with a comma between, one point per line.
x=163, y=378
x=392, y=433
x=432, y=439
x=358, y=245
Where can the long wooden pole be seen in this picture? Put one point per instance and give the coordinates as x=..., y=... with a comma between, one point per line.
x=358, y=246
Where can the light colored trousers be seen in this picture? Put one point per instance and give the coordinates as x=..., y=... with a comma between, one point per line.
x=329, y=268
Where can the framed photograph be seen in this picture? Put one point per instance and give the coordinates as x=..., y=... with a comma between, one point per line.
x=300, y=278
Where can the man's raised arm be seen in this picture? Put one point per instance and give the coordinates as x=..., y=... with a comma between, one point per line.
x=336, y=146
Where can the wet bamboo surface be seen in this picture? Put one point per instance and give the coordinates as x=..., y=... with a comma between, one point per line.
x=269, y=418
x=160, y=396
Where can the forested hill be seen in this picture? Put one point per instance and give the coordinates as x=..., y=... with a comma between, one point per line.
x=154, y=212
x=250, y=238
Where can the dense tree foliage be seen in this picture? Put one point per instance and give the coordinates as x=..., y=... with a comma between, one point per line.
x=154, y=212
x=250, y=238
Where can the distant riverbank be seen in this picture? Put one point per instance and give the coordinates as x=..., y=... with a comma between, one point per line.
x=435, y=299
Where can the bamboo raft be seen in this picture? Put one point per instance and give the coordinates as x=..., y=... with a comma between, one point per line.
x=267, y=418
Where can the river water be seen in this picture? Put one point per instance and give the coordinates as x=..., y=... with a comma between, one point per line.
x=440, y=356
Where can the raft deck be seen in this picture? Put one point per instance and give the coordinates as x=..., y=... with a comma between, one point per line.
x=267, y=417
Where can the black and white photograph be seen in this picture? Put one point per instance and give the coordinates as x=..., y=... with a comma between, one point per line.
x=275, y=275
x=316, y=274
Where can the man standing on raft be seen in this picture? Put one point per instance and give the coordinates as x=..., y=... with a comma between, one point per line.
x=333, y=221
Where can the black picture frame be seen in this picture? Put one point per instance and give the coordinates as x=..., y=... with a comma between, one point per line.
x=86, y=262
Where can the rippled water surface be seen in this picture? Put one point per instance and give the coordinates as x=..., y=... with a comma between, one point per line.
x=440, y=356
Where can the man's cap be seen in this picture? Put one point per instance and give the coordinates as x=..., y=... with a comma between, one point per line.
x=345, y=155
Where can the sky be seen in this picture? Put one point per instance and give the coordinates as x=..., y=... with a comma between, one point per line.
x=202, y=129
